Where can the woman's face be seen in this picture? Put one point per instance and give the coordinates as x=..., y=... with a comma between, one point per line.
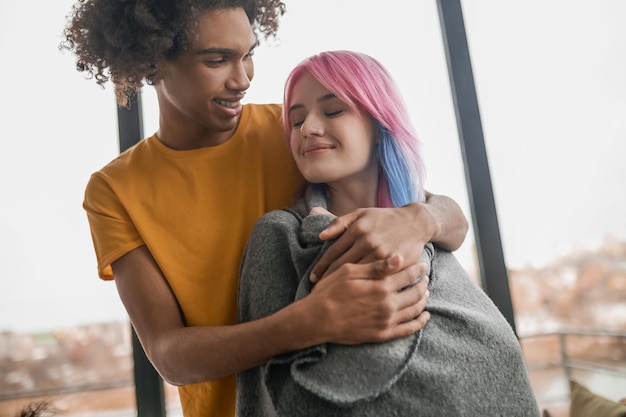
x=330, y=142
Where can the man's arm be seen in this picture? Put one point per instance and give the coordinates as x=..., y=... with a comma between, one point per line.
x=451, y=223
x=369, y=234
x=350, y=308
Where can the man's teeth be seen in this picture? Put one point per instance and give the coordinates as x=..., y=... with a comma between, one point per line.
x=229, y=104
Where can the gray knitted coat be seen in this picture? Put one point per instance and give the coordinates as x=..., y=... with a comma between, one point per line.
x=465, y=362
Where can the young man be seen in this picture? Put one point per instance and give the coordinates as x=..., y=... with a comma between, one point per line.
x=170, y=217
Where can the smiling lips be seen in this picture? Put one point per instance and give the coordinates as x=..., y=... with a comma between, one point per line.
x=229, y=108
x=315, y=148
x=229, y=104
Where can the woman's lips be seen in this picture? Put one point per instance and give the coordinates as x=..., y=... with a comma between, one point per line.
x=316, y=148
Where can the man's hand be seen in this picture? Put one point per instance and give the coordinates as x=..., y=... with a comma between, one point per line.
x=371, y=302
x=370, y=234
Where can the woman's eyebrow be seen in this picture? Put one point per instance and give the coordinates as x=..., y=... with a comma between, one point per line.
x=328, y=96
x=295, y=107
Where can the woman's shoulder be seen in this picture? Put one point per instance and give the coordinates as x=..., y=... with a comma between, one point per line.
x=275, y=232
x=284, y=220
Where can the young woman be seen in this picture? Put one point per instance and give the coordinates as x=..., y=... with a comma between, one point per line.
x=351, y=138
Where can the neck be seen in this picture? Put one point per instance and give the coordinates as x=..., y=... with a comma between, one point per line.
x=188, y=138
x=344, y=200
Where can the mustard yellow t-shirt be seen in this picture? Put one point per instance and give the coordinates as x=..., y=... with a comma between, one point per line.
x=194, y=211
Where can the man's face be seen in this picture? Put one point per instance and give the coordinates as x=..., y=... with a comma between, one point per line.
x=205, y=84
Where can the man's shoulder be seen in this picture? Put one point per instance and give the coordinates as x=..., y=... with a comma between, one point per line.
x=274, y=108
x=263, y=115
x=119, y=167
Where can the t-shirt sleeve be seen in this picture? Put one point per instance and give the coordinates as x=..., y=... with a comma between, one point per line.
x=112, y=231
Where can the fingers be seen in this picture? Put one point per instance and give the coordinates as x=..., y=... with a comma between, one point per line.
x=339, y=252
x=360, y=237
x=338, y=226
x=405, y=277
x=372, y=270
x=411, y=315
x=335, y=256
x=405, y=322
x=410, y=327
x=373, y=302
x=412, y=301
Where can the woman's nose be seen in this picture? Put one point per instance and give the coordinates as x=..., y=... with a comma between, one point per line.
x=312, y=127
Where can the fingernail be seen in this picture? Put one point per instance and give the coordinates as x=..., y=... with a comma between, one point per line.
x=313, y=277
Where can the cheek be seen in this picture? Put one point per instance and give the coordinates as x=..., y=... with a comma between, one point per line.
x=294, y=145
x=250, y=69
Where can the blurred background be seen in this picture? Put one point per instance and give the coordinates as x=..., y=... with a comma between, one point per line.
x=552, y=94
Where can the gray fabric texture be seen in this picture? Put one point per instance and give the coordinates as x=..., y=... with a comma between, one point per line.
x=465, y=362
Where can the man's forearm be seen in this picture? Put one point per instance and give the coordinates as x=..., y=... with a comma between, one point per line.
x=451, y=223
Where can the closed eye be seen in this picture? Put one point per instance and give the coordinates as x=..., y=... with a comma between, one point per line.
x=333, y=113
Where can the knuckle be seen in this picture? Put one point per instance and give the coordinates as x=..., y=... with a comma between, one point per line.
x=374, y=245
x=386, y=310
x=378, y=251
x=348, y=269
x=341, y=223
x=416, y=270
x=385, y=288
x=361, y=229
x=379, y=269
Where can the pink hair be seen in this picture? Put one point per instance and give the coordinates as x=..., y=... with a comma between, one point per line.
x=365, y=85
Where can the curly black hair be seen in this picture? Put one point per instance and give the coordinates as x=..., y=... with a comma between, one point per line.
x=124, y=41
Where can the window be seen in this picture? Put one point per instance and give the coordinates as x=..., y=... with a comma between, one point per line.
x=551, y=95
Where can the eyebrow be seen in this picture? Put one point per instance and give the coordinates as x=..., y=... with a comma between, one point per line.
x=225, y=51
x=220, y=51
x=329, y=96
